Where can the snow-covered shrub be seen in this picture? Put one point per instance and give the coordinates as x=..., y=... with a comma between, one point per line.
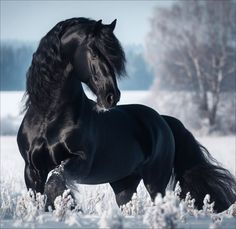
x=10, y=189
x=7, y=203
x=30, y=206
x=164, y=213
x=189, y=205
x=98, y=204
x=232, y=210
x=177, y=190
x=140, y=201
x=112, y=219
x=63, y=205
x=135, y=207
x=126, y=209
x=93, y=199
x=208, y=208
x=183, y=212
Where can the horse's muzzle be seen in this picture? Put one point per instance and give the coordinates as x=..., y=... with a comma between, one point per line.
x=112, y=99
x=109, y=100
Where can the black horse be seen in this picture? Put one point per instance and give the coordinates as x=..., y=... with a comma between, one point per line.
x=92, y=143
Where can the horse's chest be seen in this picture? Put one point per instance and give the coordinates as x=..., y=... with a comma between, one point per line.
x=43, y=154
x=39, y=154
x=66, y=144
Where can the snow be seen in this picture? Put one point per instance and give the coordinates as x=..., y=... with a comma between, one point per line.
x=97, y=202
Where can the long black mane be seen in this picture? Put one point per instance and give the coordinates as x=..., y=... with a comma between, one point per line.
x=47, y=73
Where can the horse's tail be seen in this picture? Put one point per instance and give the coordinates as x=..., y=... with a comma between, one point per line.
x=198, y=172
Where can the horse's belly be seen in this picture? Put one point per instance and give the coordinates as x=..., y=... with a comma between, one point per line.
x=109, y=167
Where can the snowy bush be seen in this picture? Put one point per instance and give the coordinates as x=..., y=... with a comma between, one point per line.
x=135, y=207
x=112, y=219
x=232, y=210
x=10, y=191
x=189, y=205
x=30, y=206
x=63, y=205
x=7, y=203
x=92, y=209
x=164, y=213
x=27, y=209
x=208, y=208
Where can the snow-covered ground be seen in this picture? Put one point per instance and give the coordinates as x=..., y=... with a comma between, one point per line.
x=19, y=209
x=98, y=201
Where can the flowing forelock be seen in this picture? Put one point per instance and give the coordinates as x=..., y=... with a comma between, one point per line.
x=111, y=48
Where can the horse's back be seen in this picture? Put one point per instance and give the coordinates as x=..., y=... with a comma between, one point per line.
x=152, y=130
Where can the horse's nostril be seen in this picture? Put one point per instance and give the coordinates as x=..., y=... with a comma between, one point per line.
x=110, y=98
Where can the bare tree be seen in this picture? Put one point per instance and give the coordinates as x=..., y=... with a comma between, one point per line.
x=193, y=43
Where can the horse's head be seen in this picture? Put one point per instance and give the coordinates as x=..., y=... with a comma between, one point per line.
x=97, y=58
x=84, y=46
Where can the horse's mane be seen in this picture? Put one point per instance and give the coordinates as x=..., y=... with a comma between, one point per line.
x=46, y=75
x=108, y=44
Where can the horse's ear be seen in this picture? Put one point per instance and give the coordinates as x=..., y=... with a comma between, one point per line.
x=98, y=26
x=99, y=22
x=113, y=25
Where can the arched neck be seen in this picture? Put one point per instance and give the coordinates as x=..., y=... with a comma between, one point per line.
x=72, y=97
x=73, y=90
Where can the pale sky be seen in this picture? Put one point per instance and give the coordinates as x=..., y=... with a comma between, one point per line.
x=31, y=20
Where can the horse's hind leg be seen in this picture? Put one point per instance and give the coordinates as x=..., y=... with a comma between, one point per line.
x=125, y=188
x=156, y=177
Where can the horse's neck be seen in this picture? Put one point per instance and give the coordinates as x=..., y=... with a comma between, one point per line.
x=73, y=90
x=72, y=96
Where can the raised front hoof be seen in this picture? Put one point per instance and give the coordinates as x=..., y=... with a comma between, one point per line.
x=54, y=187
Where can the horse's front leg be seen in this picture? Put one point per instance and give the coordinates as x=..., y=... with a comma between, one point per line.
x=34, y=179
x=52, y=187
x=68, y=171
x=55, y=185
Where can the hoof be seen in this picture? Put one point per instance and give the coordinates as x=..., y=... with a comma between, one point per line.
x=55, y=186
